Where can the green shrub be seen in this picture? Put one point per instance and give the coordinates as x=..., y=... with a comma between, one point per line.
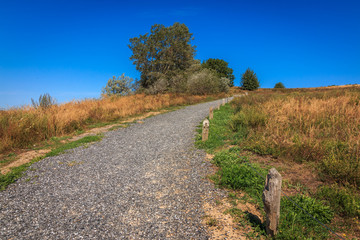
x=120, y=86
x=249, y=80
x=343, y=200
x=279, y=85
x=203, y=82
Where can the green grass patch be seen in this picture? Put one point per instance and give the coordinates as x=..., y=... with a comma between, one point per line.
x=296, y=224
x=17, y=172
x=81, y=142
x=218, y=130
x=236, y=172
x=343, y=200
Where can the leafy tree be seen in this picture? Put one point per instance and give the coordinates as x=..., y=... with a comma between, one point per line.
x=249, y=80
x=45, y=101
x=221, y=67
x=122, y=86
x=162, y=53
x=279, y=85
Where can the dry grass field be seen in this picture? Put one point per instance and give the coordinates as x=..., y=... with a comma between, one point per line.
x=318, y=125
x=23, y=127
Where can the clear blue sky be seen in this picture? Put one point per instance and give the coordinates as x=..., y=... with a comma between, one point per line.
x=70, y=49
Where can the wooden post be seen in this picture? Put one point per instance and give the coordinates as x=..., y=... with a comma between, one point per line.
x=205, y=130
x=271, y=198
x=211, y=113
x=223, y=102
x=218, y=107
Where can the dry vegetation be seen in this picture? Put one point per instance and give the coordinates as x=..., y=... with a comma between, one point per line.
x=312, y=137
x=321, y=126
x=20, y=128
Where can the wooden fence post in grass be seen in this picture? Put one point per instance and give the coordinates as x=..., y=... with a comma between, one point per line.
x=271, y=198
x=211, y=113
x=205, y=130
x=218, y=107
x=223, y=102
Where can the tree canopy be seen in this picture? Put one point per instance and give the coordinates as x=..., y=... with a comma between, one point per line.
x=221, y=68
x=249, y=80
x=162, y=53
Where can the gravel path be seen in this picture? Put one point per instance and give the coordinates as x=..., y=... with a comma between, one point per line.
x=142, y=182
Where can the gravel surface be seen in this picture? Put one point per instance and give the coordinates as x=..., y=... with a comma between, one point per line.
x=142, y=182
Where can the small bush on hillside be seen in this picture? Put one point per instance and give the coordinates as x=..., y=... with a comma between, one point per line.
x=121, y=86
x=224, y=84
x=249, y=80
x=203, y=82
x=45, y=101
x=160, y=86
x=279, y=85
x=178, y=83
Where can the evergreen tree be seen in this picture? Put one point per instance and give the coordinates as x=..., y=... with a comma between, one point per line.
x=249, y=80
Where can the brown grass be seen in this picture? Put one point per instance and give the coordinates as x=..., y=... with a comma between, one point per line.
x=20, y=128
x=322, y=126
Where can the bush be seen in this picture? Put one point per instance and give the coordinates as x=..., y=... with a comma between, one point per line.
x=249, y=80
x=279, y=85
x=203, y=82
x=45, y=101
x=224, y=84
x=122, y=86
x=160, y=86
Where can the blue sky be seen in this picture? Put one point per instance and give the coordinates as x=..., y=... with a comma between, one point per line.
x=70, y=49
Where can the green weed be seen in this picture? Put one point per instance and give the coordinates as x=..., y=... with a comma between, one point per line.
x=296, y=224
x=342, y=199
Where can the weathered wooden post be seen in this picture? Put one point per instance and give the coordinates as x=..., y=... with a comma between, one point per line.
x=271, y=198
x=218, y=107
x=211, y=113
x=223, y=102
x=205, y=130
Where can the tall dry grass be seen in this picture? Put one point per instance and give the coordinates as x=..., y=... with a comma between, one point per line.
x=20, y=128
x=319, y=126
